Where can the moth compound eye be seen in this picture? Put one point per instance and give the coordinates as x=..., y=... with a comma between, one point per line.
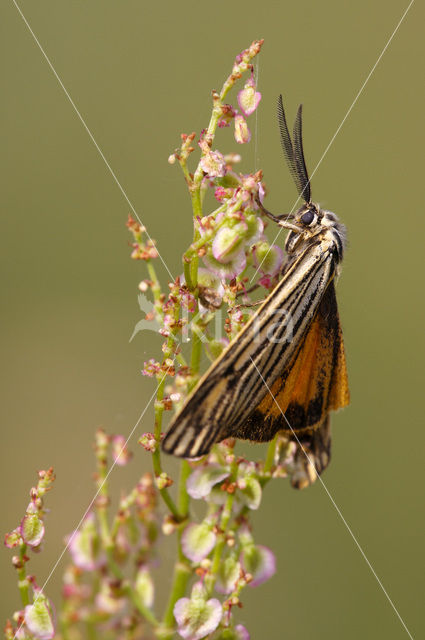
x=307, y=217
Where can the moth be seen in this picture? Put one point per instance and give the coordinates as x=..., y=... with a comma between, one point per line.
x=286, y=369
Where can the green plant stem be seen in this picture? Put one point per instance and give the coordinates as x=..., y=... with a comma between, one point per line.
x=102, y=515
x=186, y=173
x=218, y=551
x=23, y=583
x=182, y=573
x=195, y=359
x=159, y=408
x=212, y=127
x=188, y=275
x=156, y=287
x=271, y=450
x=181, y=360
x=183, y=497
x=104, y=527
x=138, y=604
x=194, y=273
x=182, y=570
x=64, y=627
x=91, y=630
x=195, y=194
x=156, y=456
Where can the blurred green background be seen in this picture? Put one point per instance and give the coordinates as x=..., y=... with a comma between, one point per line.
x=141, y=73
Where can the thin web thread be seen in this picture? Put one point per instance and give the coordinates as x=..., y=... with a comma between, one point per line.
x=88, y=130
x=342, y=123
x=169, y=272
x=335, y=505
x=257, y=75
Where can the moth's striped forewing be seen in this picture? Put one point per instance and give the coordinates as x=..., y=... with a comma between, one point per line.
x=228, y=399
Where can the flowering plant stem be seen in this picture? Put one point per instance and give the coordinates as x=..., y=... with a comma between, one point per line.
x=156, y=456
x=109, y=584
x=23, y=582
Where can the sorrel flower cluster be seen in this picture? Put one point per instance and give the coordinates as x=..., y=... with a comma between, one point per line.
x=35, y=619
x=109, y=584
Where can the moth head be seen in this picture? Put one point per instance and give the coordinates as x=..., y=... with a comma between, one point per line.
x=315, y=223
x=309, y=216
x=308, y=221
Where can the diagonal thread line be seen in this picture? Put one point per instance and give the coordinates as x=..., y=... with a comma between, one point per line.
x=277, y=235
x=335, y=505
x=257, y=76
x=111, y=171
x=360, y=91
x=74, y=533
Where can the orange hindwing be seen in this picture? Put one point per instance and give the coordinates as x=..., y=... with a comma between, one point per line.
x=314, y=384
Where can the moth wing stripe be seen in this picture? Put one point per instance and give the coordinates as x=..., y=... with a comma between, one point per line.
x=285, y=289
x=267, y=320
x=211, y=405
x=251, y=382
x=204, y=440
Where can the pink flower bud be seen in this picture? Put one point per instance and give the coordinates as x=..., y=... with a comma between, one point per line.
x=148, y=442
x=107, y=601
x=242, y=133
x=261, y=192
x=84, y=545
x=213, y=164
x=13, y=539
x=151, y=368
x=249, y=98
x=169, y=525
x=120, y=454
x=32, y=529
x=220, y=193
x=144, y=586
x=163, y=481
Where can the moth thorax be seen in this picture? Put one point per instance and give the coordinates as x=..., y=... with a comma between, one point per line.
x=333, y=227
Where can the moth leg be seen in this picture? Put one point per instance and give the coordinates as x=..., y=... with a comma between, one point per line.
x=247, y=291
x=312, y=455
x=245, y=305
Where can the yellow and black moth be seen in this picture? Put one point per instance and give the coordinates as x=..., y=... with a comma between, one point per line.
x=286, y=369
